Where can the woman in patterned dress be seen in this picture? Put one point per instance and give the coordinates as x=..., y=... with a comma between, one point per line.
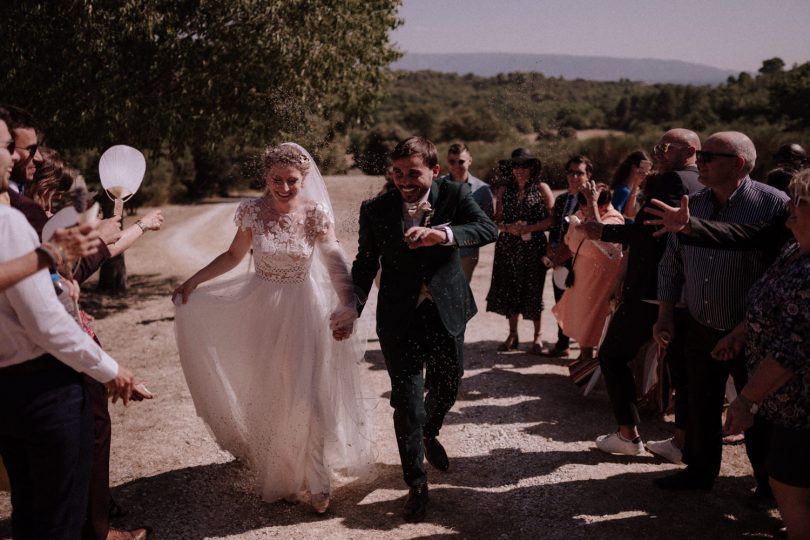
x=523, y=213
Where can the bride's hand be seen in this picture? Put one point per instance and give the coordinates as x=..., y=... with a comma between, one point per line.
x=181, y=293
x=342, y=333
x=341, y=322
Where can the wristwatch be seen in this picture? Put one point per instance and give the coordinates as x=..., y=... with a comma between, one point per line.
x=752, y=407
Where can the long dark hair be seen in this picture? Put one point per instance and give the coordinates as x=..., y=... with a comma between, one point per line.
x=622, y=173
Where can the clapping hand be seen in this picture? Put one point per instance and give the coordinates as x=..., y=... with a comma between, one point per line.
x=77, y=242
x=672, y=219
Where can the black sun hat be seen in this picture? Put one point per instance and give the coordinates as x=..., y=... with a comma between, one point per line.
x=521, y=157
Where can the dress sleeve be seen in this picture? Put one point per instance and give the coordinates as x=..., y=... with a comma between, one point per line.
x=245, y=215
x=319, y=221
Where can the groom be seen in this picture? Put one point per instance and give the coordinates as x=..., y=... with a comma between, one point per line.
x=424, y=302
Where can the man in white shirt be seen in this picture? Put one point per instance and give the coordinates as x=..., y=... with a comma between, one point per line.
x=46, y=430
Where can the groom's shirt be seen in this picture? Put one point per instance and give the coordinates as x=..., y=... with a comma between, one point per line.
x=415, y=215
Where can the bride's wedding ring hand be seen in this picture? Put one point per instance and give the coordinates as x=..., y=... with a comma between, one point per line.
x=417, y=237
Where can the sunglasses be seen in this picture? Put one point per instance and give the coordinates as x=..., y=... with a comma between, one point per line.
x=663, y=148
x=575, y=173
x=455, y=162
x=10, y=146
x=708, y=157
x=31, y=149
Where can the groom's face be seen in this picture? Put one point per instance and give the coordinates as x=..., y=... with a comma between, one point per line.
x=413, y=178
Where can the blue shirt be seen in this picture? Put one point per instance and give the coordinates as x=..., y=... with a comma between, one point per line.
x=482, y=195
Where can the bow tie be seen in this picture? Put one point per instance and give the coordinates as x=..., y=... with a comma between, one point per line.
x=423, y=206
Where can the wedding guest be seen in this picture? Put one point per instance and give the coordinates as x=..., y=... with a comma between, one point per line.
x=45, y=417
x=774, y=338
x=578, y=171
x=714, y=284
x=627, y=181
x=789, y=159
x=585, y=305
x=459, y=160
x=26, y=139
x=631, y=325
x=518, y=274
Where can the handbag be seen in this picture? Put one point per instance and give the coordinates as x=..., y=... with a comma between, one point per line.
x=569, y=279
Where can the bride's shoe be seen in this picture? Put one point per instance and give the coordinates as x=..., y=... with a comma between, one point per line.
x=320, y=502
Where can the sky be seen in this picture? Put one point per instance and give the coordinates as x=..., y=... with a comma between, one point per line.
x=728, y=34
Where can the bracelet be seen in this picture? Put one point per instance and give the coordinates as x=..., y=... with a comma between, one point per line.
x=140, y=224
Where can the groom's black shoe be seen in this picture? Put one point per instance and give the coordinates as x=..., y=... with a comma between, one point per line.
x=416, y=505
x=435, y=454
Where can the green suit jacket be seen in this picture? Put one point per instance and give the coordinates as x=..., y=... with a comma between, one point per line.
x=404, y=270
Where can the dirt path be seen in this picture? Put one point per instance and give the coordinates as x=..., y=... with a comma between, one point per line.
x=520, y=438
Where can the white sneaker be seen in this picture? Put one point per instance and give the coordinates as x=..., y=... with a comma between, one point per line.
x=667, y=450
x=614, y=443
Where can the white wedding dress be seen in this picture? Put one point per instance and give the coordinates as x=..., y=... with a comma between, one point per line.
x=266, y=376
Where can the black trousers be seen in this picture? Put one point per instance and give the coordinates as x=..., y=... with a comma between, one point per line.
x=46, y=440
x=676, y=363
x=97, y=524
x=426, y=345
x=563, y=341
x=703, y=450
x=629, y=329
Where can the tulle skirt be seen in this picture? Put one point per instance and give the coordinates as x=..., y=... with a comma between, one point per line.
x=275, y=389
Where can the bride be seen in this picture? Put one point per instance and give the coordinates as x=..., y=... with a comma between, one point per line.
x=277, y=388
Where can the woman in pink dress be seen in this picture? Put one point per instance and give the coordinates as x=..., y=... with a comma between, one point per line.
x=583, y=308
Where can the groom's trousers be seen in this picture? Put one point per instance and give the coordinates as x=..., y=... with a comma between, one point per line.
x=417, y=414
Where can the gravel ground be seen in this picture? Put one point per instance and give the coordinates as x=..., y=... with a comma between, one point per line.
x=520, y=437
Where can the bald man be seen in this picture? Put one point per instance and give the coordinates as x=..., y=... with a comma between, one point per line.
x=631, y=326
x=714, y=283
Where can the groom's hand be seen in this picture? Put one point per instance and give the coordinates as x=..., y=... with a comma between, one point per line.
x=417, y=237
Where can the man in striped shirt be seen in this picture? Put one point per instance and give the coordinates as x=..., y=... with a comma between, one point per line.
x=714, y=284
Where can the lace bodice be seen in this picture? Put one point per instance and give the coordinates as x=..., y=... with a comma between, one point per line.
x=282, y=243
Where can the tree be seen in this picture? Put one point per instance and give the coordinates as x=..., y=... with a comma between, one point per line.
x=191, y=73
x=772, y=66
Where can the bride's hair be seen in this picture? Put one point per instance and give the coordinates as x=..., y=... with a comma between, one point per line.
x=286, y=154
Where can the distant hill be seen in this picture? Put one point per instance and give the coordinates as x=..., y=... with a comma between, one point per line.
x=594, y=68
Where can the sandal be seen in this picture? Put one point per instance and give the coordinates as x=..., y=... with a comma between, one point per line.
x=511, y=343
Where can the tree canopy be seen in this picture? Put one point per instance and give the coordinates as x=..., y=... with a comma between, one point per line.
x=214, y=76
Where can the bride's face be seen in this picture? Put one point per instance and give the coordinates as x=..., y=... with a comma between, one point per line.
x=283, y=182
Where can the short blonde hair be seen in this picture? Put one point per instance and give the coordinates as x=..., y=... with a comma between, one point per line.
x=286, y=154
x=800, y=184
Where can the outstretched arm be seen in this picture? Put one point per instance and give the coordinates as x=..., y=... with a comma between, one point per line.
x=224, y=262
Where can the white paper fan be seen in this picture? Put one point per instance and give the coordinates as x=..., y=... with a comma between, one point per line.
x=64, y=218
x=121, y=171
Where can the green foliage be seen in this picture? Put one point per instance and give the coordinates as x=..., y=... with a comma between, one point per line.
x=210, y=77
